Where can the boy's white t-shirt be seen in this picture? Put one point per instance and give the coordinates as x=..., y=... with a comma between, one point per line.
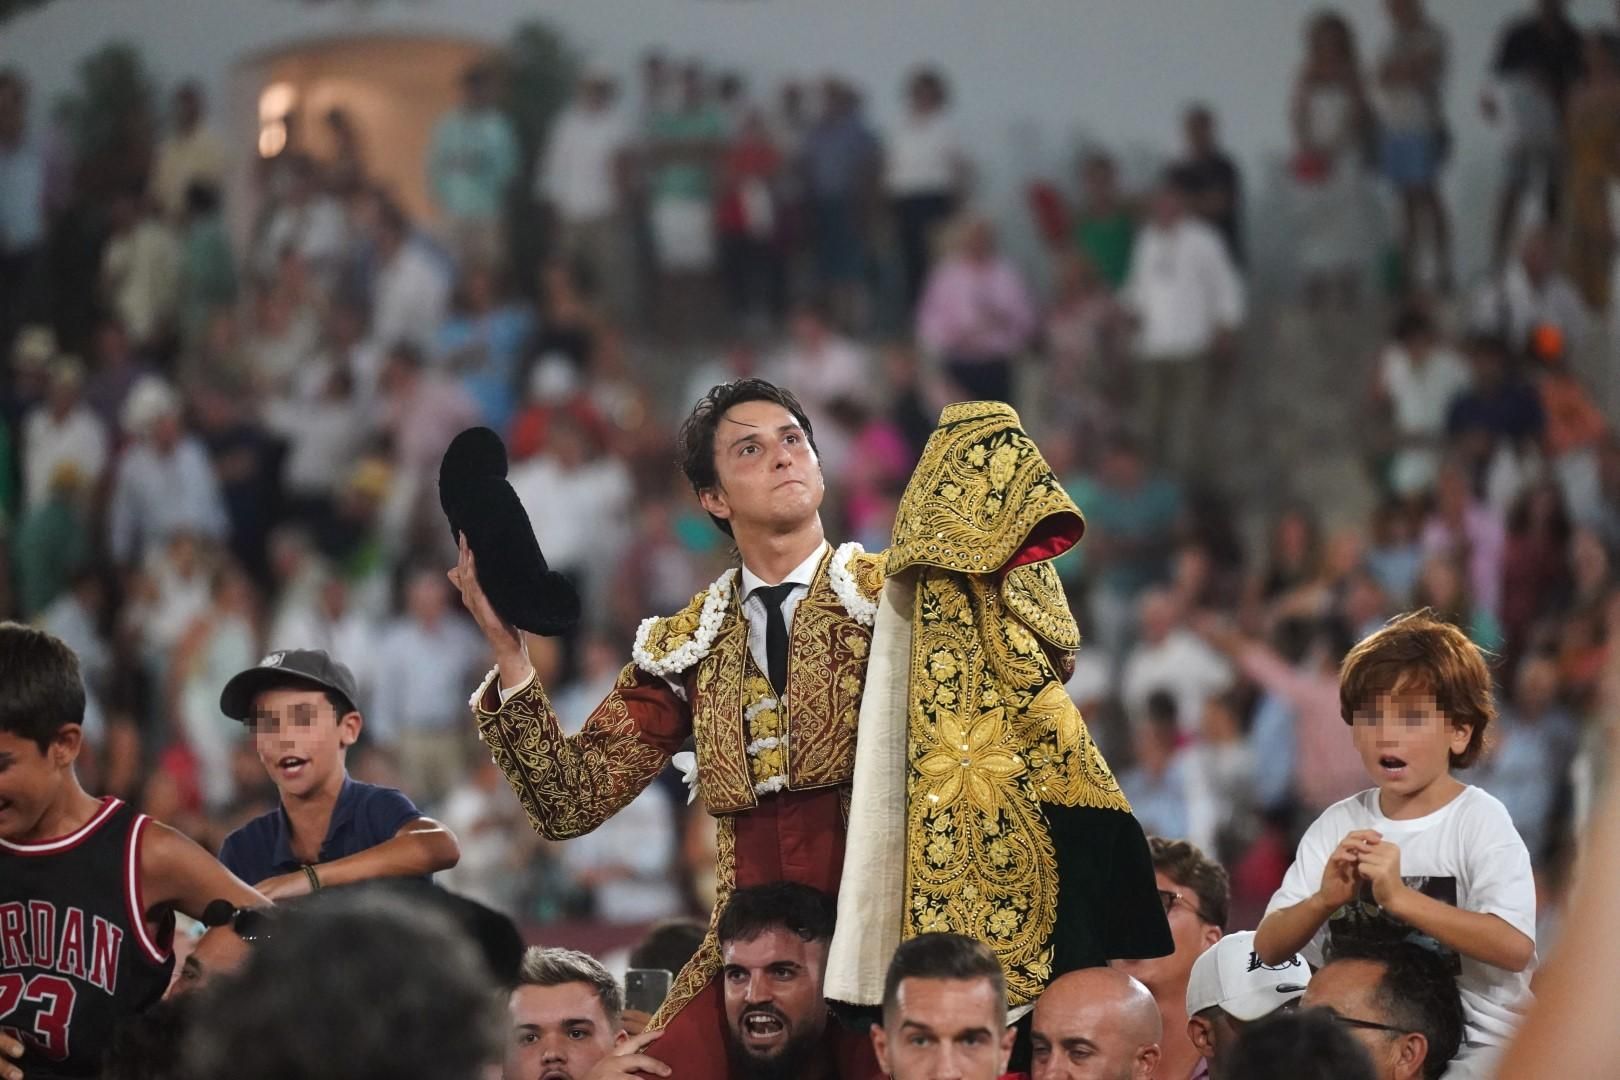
x=1468, y=854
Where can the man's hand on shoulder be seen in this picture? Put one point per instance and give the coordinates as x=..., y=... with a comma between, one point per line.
x=628, y=1060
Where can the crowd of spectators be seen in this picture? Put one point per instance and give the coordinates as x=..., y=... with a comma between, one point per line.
x=239, y=451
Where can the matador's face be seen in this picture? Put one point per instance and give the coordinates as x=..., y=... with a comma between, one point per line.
x=770, y=477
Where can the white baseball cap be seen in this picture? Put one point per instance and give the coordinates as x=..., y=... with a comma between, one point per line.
x=1230, y=974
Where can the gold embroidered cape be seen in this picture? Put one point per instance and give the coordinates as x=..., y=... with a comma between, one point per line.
x=983, y=739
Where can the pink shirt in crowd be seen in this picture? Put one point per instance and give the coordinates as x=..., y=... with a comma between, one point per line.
x=975, y=309
x=1326, y=765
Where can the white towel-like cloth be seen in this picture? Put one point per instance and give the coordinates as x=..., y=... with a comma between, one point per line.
x=872, y=894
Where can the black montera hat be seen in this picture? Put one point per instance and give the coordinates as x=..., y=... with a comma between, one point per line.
x=511, y=568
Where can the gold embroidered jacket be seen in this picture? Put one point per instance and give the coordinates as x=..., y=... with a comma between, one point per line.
x=748, y=743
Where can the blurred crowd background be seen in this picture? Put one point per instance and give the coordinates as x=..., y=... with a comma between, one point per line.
x=222, y=408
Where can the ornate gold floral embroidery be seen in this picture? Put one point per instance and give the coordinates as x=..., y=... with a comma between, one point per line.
x=705, y=963
x=867, y=569
x=827, y=654
x=1035, y=594
x=725, y=774
x=980, y=490
x=990, y=742
x=826, y=673
x=570, y=784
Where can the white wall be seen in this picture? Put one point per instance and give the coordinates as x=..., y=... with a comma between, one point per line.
x=1030, y=75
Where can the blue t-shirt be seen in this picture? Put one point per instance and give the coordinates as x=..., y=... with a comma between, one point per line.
x=365, y=816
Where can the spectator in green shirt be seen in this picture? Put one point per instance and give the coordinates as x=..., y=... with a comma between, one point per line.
x=1106, y=224
x=1132, y=519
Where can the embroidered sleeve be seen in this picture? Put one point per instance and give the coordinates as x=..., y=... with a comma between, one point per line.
x=570, y=784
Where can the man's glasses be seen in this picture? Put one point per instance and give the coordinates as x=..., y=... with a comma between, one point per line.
x=1365, y=1025
x=1170, y=899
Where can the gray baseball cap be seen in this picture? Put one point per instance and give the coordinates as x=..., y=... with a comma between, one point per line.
x=312, y=668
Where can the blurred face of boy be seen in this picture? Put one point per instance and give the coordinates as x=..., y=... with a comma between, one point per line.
x=300, y=739
x=31, y=780
x=944, y=1029
x=1405, y=742
x=770, y=478
x=558, y=1032
x=774, y=1009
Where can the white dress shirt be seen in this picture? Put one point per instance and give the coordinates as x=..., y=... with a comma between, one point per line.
x=753, y=607
x=78, y=439
x=922, y=156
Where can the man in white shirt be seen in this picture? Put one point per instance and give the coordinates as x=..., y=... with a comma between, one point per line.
x=308, y=221
x=1419, y=376
x=1532, y=291
x=140, y=270
x=581, y=178
x=1172, y=658
x=422, y=665
x=412, y=291
x=166, y=484
x=924, y=171
x=1188, y=302
x=578, y=500
x=819, y=363
x=62, y=431
x=191, y=154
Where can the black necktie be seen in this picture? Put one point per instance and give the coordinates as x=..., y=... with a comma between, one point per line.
x=776, y=638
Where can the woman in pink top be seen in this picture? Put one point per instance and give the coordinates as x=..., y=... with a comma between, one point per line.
x=976, y=312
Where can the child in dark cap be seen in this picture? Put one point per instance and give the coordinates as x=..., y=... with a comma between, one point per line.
x=329, y=829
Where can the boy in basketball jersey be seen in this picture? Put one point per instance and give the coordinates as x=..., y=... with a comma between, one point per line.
x=88, y=886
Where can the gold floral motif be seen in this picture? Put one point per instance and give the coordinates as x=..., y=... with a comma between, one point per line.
x=968, y=760
x=867, y=570
x=725, y=774
x=569, y=785
x=668, y=634
x=1035, y=594
x=980, y=489
x=990, y=741
x=815, y=720
x=827, y=655
x=766, y=763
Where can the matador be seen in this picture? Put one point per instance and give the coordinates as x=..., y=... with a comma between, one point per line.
x=911, y=701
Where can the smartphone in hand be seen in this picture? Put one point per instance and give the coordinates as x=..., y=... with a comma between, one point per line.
x=646, y=988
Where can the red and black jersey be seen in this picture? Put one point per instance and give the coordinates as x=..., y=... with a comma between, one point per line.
x=76, y=957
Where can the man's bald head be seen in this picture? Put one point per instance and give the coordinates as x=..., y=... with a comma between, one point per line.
x=1096, y=1023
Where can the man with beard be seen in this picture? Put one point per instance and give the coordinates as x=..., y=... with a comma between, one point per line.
x=773, y=945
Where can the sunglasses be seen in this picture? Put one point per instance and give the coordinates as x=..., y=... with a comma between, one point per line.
x=251, y=924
